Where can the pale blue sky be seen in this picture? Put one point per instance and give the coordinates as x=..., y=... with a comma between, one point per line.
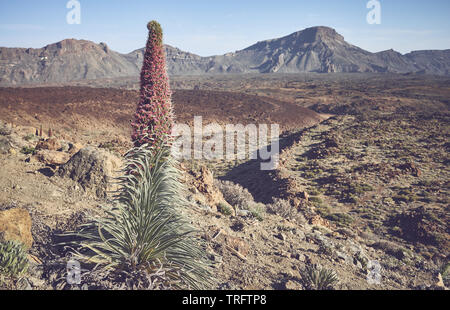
x=210, y=27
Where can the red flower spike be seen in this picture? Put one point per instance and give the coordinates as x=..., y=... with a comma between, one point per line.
x=154, y=113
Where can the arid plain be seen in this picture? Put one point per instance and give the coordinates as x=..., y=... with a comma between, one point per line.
x=363, y=176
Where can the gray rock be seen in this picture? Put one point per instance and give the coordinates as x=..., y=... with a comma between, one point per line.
x=92, y=168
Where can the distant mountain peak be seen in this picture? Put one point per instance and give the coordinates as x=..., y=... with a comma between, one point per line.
x=389, y=51
x=319, y=33
x=315, y=49
x=70, y=43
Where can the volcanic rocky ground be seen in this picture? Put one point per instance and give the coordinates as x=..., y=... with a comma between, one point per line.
x=363, y=175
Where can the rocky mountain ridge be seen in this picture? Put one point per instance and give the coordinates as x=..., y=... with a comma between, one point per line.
x=316, y=49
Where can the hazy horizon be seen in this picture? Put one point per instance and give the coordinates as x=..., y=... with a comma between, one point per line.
x=207, y=29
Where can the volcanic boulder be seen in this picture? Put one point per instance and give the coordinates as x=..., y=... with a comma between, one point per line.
x=15, y=225
x=93, y=169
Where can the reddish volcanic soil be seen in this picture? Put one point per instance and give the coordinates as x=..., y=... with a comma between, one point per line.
x=84, y=111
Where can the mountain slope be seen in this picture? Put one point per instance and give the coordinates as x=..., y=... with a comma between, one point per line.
x=316, y=49
x=323, y=50
x=434, y=61
x=64, y=61
x=178, y=62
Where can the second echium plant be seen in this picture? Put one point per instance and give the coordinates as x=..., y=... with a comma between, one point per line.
x=153, y=121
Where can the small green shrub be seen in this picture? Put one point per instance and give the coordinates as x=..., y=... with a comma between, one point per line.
x=404, y=198
x=28, y=150
x=13, y=259
x=445, y=272
x=316, y=191
x=351, y=199
x=341, y=218
x=5, y=129
x=225, y=208
x=361, y=188
x=309, y=175
x=324, y=210
x=325, y=249
x=391, y=248
x=404, y=195
x=316, y=200
x=257, y=210
x=317, y=278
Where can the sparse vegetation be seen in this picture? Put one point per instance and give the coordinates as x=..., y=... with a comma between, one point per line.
x=342, y=219
x=28, y=150
x=225, y=208
x=13, y=260
x=445, y=272
x=235, y=194
x=316, y=200
x=257, y=210
x=374, y=169
x=318, y=278
x=282, y=208
x=405, y=195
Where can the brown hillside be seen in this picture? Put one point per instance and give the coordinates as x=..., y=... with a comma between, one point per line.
x=73, y=111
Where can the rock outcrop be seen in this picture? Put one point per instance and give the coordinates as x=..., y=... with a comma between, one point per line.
x=15, y=225
x=204, y=183
x=93, y=169
x=53, y=158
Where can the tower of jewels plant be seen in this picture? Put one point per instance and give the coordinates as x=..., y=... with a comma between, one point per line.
x=144, y=238
x=153, y=121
